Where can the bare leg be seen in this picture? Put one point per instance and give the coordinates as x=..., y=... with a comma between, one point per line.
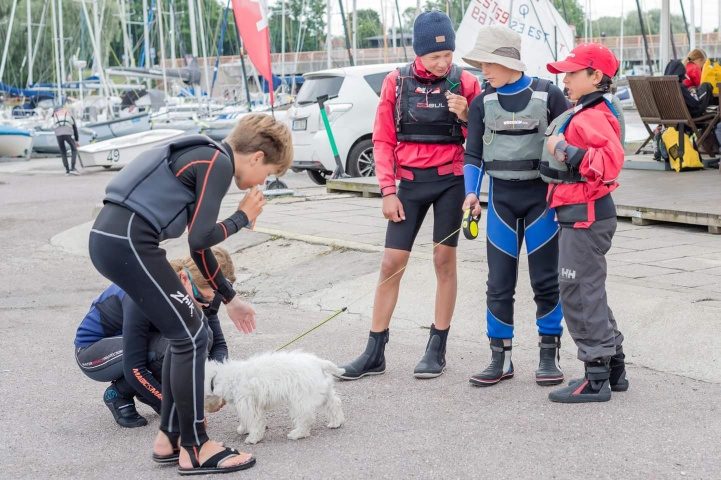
x=394, y=260
x=444, y=261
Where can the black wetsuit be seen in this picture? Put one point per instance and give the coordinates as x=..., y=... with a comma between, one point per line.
x=186, y=180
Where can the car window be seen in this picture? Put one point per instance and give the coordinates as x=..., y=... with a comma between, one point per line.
x=375, y=81
x=314, y=87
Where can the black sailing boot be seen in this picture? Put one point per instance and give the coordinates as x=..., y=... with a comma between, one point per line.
x=594, y=387
x=372, y=361
x=123, y=409
x=434, y=360
x=501, y=367
x=549, y=371
x=618, y=380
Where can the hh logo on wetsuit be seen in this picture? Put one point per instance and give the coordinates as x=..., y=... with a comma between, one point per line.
x=185, y=299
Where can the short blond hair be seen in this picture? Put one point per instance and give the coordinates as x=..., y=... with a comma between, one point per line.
x=224, y=261
x=695, y=54
x=258, y=132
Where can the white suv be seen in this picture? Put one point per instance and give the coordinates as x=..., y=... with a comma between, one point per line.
x=350, y=114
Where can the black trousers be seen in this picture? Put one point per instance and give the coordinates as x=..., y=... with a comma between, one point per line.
x=125, y=249
x=68, y=139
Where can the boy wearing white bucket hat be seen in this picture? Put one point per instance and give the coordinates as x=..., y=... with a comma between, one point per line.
x=506, y=129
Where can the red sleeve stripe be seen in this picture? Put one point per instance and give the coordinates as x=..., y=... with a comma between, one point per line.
x=225, y=230
x=207, y=273
x=190, y=165
x=202, y=191
x=216, y=271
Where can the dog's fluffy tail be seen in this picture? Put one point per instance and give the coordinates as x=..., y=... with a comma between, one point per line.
x=330, y=368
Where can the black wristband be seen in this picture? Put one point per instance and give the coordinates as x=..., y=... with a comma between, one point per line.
x=226, y=291
x=240, y=219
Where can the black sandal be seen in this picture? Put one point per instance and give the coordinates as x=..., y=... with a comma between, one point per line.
x=211, y=464
x=173, y=457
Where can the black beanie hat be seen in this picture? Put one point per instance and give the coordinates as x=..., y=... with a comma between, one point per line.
x=433, y=32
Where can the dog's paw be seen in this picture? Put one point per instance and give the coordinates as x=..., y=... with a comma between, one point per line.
x=241, y=430
x=335, y=424
x=253, y=439
x=298, y=434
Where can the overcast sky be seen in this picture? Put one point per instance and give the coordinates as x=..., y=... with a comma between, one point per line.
x=598, y=9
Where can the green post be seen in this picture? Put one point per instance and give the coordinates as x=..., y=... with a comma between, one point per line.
x=339, y=171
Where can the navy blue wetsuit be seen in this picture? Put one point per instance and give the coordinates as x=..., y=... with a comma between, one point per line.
x=157, y=196
x=130, y=351
x=516, y=211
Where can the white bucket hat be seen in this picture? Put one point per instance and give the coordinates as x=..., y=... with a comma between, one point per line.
x=496, y=44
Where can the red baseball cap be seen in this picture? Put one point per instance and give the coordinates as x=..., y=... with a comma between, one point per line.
x=587, y=55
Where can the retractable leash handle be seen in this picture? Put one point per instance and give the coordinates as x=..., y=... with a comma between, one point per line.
x=339, y=171
x=470, y=225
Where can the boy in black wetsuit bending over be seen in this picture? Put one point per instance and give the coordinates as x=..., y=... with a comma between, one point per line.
x=157, y=196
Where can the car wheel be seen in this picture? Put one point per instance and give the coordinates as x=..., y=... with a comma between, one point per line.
x=317, y=176
x=360, y=160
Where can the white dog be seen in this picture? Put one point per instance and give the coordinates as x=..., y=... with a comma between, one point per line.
x=301, y=381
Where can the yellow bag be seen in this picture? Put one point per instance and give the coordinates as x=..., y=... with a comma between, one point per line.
x=711, y=73
x=690, y=160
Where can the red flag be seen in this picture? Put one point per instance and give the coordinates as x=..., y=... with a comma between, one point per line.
x=251, y=18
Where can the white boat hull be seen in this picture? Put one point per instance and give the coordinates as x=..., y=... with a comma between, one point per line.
x=118, y=152
x=15, y=145
x=45, y=141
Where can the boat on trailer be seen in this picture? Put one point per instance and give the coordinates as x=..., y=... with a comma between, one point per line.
x=118, y=152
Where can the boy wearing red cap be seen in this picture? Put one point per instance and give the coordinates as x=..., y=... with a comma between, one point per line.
x=583, y=159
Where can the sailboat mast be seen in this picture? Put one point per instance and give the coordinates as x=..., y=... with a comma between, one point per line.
x=355, y=28
x=7, y=39
x=126, y=40
x=645, y=39
x=146, y=36
x=59, y=88
x=172, y=31
x=345, y=33
x=40, y=31
x=282, y=44
x=61, y=40
x=161, y=40
x=204, y=46
x=193, y=33
x=328, y=35
x=28, y=6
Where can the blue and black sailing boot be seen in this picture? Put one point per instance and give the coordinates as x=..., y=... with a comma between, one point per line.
x=123, y=409
x=501, y=367
x=433, y=362
x=372, y=361
x=549, y=371
x=594, y=387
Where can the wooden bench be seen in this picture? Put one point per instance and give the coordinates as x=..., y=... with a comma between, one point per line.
x=645, y=104
x=673, y=112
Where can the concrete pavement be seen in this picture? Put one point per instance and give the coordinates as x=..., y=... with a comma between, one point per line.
x=315, y=253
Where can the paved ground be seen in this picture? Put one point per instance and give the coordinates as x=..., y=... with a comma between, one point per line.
x=315, y=253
